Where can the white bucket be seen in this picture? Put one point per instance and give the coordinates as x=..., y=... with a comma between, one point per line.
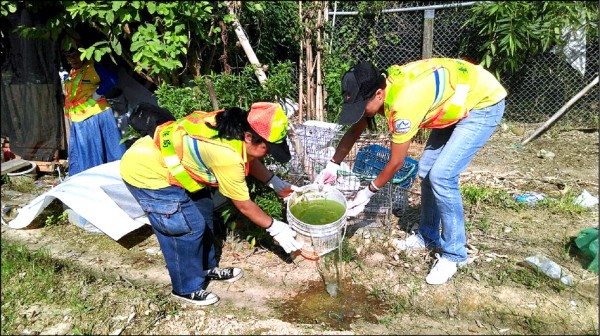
x=318, y=239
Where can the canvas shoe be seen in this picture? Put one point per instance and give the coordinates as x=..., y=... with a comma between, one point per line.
x=199, y=297
x=412, y=242
x=227, y=274
x=442, y=270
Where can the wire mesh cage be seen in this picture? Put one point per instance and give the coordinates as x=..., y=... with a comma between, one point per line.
x=316, y=142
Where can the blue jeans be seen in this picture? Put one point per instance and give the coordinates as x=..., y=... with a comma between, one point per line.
x=447, y=153
x=94, y=141
x=183, y=224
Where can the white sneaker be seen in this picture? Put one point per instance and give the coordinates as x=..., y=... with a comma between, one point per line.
x=413, y=242
x=442, y=270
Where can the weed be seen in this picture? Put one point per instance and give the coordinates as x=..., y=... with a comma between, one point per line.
x=53, y=220
x=469, y=225
x=23, y=184
x=484, y=225
x=475, y=196
x=565, y=204
x=530, y=278
x=534, y=325
x=348, y=252
x=376, y=292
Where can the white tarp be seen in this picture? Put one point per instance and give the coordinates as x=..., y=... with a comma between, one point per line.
x=98, y=195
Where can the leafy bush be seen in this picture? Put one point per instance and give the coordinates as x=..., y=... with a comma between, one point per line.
x=240, y=90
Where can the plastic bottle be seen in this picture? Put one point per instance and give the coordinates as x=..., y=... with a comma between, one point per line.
x=550, y=268
x=529, y=198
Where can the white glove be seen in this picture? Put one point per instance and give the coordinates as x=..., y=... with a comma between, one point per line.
x=329, y=174
x=294, y=188
x=278, y=184
x=357, y=205
x=96, y=96
x=284, y=236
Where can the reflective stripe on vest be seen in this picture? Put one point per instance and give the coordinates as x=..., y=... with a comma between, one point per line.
x=174, y=162
x=443, y=118
x=194, y=126
x=82, y=107
x=455, y=110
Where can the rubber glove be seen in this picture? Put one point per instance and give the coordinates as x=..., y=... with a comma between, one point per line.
x=282, y=188
x=284, y=236
x=357, y=205
x=329, y=174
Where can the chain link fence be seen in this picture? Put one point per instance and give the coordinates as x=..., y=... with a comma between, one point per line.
x=396, y=37
x=535, y=94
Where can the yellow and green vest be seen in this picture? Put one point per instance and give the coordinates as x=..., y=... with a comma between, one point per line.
x=444, y=111
x=169, y=138
x=79, y=89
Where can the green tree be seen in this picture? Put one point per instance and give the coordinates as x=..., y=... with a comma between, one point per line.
x=165, y=42
x=512, y=31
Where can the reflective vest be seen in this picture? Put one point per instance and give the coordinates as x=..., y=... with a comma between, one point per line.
x=448, y=111
x=169, y=138
x=79, y=88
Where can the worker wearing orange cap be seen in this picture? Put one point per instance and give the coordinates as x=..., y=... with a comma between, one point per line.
x=170, y=175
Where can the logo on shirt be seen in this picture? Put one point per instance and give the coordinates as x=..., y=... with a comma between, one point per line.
x=402, y=126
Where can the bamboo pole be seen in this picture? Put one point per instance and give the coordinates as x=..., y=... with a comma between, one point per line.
x=301, y=72
x=309, y=78
x=319, y=88
x=560, y=112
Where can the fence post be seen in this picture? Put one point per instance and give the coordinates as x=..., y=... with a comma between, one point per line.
x=428, y=17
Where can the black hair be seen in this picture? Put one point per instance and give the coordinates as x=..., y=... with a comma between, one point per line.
x=371, y=124
x=233, y=123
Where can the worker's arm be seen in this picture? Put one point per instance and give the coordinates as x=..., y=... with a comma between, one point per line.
x=397, y=156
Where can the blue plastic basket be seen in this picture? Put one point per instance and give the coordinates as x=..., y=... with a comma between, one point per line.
x=371, y=159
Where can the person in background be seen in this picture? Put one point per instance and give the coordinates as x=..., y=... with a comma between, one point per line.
x=94, y=137
x=171, y=173
x=461, y=103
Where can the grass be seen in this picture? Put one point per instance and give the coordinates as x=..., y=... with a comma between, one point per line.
x=33, y=279
x=23, y=184
x=476, y=197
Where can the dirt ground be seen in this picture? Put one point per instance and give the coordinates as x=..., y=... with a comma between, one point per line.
x=494, y=294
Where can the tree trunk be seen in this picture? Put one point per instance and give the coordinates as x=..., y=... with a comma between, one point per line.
x=225, y=56
x=301, y=73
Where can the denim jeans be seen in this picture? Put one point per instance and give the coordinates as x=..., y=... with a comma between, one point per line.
x=94, y=141
x=447, y=153
x=183, y=224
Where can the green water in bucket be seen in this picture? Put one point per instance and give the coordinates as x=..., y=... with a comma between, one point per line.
x=318, y=212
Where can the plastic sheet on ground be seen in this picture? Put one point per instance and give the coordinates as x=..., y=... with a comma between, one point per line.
x=98, y=195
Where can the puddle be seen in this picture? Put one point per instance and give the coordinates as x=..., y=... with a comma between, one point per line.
x=314, y=305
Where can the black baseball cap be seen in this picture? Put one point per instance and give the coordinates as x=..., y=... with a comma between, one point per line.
x=358, y=85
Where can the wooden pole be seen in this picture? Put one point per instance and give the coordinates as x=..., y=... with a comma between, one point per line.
x=560, y=112
x=211, y=93
x=428, y=18
x=241, y=35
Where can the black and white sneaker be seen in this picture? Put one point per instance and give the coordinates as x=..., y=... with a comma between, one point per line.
x=227, y=274
x=200, y=297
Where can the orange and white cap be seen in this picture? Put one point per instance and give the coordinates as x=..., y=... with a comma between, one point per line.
x=270, y=122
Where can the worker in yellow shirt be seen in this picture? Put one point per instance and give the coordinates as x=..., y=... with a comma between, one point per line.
x=170, y=175
x=462, y=103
